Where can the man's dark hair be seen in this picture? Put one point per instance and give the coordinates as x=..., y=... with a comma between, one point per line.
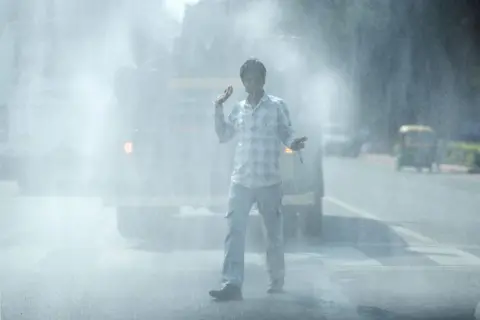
x=253, y=65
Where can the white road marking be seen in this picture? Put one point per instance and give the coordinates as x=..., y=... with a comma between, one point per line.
x=345, y=256
x=442, y=254
x=365, y=244
x=360, y=212
x=405, y=268
x=315, y=263
x=407, y=233
x=447, y=256
x=174, y=261
x=336, y=257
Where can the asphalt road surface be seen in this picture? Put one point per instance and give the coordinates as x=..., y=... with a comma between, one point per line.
x=396, y=246
x=418, y=232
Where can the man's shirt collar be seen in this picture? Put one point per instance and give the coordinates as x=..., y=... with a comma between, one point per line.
x=264, y=99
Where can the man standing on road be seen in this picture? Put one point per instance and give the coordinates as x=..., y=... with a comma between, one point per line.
x=263, y=123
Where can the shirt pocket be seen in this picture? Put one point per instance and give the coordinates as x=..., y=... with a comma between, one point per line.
x=269, y=125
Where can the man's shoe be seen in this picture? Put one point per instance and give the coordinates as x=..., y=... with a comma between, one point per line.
x=227, y=293
x=275, y=290
x=276, y=287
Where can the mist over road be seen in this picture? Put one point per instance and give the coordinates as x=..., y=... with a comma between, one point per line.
x=395, y=244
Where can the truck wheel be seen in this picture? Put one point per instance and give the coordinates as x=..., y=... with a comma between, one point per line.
x=147, y=223
x=23, y=186
x=128, y=222
x=305, y=219
x=290, y=223
x=35, y=187
x=311, y=218
x=136, y=222
x=398, y=165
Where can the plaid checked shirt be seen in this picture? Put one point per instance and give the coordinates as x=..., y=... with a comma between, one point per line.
x=262, y=130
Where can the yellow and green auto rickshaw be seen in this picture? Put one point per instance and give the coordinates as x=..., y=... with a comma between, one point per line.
x=416, y=147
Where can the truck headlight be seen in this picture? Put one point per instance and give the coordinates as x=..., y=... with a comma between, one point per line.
x=128, y=147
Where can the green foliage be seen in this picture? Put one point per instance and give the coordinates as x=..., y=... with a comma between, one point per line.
x=460, y=153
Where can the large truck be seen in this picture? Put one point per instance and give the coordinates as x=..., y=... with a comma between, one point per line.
x=178, y=161
x=170, y=155
x=154, y=149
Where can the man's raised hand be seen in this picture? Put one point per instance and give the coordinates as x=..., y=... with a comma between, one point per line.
x=224, y=96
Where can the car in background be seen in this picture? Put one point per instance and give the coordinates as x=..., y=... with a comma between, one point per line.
x=340, y=140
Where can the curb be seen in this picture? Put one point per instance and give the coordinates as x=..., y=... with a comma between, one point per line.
x=385, y=159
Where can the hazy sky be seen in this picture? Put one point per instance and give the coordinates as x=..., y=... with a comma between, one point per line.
x=177, y=7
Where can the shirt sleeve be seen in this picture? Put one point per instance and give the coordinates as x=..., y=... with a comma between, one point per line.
x=285, y=130
x=225, y=128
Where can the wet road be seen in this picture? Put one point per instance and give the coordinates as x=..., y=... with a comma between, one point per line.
x=418, y=232
x=444, y=207
x=76, y=266
x=396, y=246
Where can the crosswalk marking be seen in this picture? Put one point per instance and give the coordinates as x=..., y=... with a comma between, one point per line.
x=410, y=235
x=418, y=252
x=331, y=257
x=404, y=268
x=446, y=256
x=364, y=214
x=441, y=254
x=334, y=259
x=317, y=270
